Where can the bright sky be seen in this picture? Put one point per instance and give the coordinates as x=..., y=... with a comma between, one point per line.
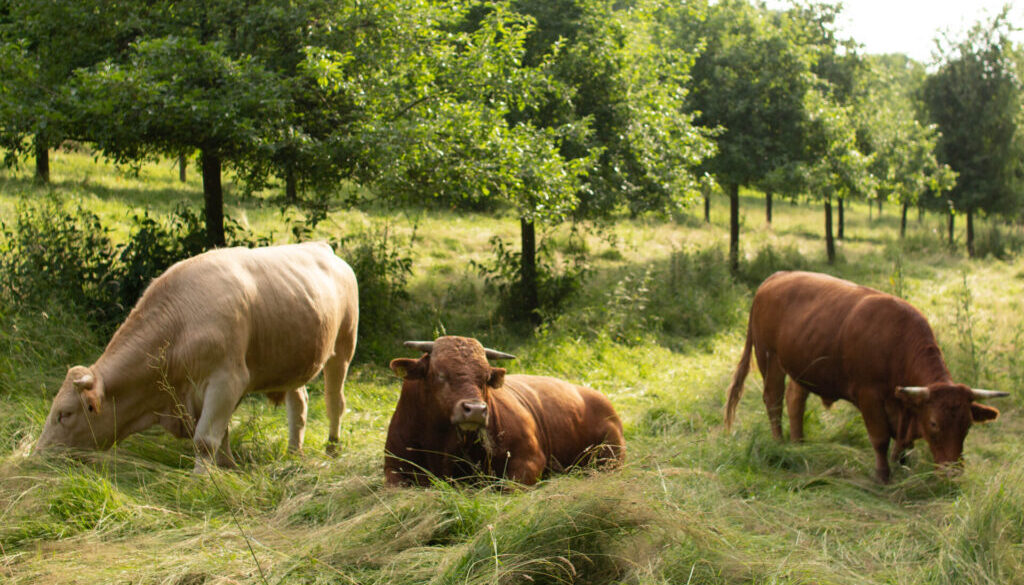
x=910, y=26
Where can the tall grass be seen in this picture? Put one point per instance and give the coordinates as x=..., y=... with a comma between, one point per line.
x=658, y=327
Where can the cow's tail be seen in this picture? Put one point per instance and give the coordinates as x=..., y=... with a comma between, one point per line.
x=738, y=377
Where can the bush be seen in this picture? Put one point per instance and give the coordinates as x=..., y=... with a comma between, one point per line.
x=54, y=256
x=51, y=255
x=768, y=261
x=557, y=281
x=997, y=243
x=155, y=245
x=382, y=267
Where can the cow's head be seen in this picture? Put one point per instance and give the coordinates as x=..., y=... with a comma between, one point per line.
x=80, y=417
x=943, y=413
x=455, y=379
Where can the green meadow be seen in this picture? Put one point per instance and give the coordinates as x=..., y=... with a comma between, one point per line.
x=658, y=327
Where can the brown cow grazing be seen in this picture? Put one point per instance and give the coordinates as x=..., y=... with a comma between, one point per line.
x=458, y=416
x=207, y=331
x=844, y=341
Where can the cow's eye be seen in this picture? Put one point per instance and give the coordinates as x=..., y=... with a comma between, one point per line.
x=934, y=425
x=441, y=379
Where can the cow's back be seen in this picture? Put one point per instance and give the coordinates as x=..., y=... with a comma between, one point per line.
x=798, y=316
x=830, y=333
x=277, y=310
x=569, y=420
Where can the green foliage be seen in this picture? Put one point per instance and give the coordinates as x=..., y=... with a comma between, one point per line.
x=53, y=255
x=382, y=264
x=178, y=94
x=975, y=99
x=769, y=260
x=620, y=86
x=558, y=279
x=42, y=42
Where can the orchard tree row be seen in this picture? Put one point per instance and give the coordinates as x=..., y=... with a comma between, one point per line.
x=557, y=108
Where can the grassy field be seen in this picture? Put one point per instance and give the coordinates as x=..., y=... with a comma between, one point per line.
x=658, y=328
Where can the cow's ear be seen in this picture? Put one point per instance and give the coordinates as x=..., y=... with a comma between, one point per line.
x=982, y=413
x=497, y=378
x=409, y=368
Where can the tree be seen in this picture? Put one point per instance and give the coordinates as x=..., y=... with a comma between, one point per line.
x=836, y=168
x=177, y=95
x=975, y=99
x=622, y=85
x=749, y=83
x=43, y=42
x=903, y=150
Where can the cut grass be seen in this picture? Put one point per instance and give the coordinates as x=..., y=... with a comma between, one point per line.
x=659, y=329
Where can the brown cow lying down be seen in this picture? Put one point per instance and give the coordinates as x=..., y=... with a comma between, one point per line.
x=458, y=416
x=207, y=331
x=844, y=341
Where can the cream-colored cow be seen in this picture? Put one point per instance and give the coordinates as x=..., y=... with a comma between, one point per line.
x=209, y=330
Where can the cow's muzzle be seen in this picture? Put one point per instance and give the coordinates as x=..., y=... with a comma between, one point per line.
x=470, y=415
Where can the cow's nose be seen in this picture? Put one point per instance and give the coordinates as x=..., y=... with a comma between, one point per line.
x=470, y=413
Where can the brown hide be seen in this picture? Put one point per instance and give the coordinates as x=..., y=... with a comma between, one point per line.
x=532, y=425
x=842, y=341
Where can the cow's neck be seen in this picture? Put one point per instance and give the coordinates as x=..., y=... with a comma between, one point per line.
x=925, y=365
x=134, y=369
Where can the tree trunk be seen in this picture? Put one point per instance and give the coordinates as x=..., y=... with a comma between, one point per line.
x=841, y=234
x=970, y=233
x=291, y=190
x=42, y=162
x=903, y=221
x=734, y=227
x=707, y=205
x=951, y=218
x=182, y=166
x=768, y=207
x=531, y=299
x=830, y=244
x=213, y=195
x=920, y=214
x=879, y=208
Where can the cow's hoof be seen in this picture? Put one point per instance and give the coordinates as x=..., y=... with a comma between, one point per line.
x=225, y=463
x=333, y=448
x=882, y=475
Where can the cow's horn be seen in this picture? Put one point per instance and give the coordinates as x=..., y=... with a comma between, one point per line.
x=913, y=390
x=493, y=354
x=424, y=346
x=980, y=394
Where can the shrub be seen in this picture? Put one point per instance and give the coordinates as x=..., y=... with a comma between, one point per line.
x=155, y=245
x=52, y=255
x=769, y=261
x=557, y=280
x=997, y=243
x=382, y=266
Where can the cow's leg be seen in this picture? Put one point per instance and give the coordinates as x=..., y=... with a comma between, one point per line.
x=796, y=403
x=877, y=424
x=224, y=389
x=297, y=403
x=335, y=371
x=224, y=458
x=526, y=470
x=774, y=394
